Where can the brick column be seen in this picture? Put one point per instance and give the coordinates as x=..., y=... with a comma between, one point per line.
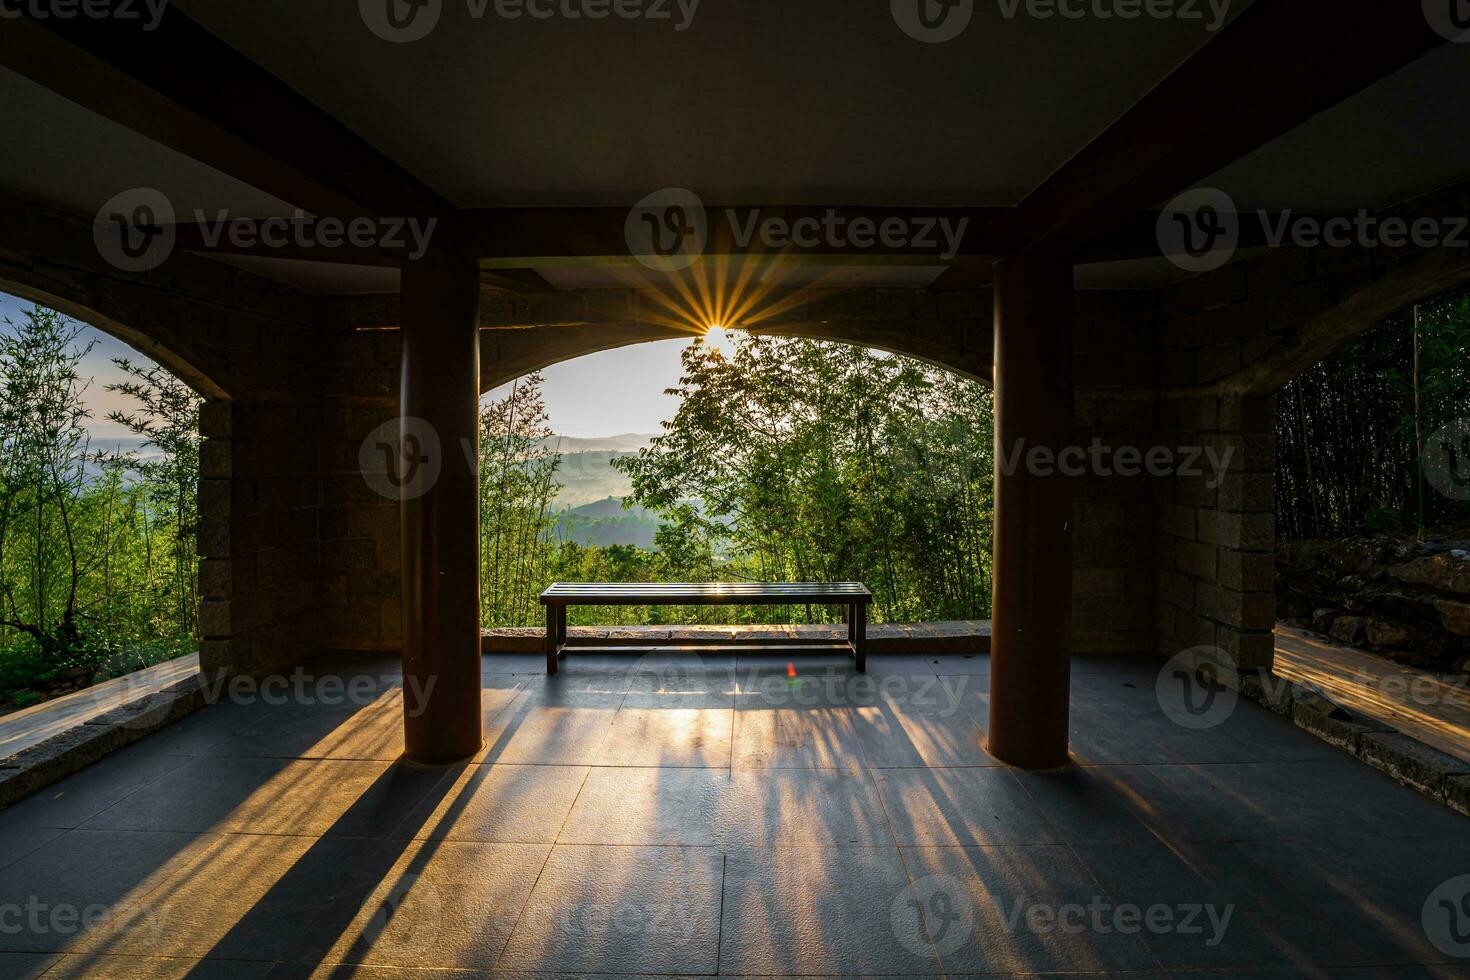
x=1216, y=532
x=258, y=539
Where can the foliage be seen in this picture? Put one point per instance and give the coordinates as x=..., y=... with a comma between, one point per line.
x=786, y=460
x=1347, y=457
x=826, y=462
x=97, y=566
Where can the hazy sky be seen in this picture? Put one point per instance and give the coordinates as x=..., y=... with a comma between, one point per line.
x=603, y=394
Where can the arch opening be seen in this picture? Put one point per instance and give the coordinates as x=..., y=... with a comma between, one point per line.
x=773, y=458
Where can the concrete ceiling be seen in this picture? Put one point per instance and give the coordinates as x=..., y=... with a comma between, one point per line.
x=763, y=101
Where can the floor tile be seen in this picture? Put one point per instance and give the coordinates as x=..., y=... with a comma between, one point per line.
x=782, y=808
x=498, y=805
x=621, y=910
x=794, y=737
x=428, y=904
x=90, y=966
x=668, y=730
x=243, y=897
x=648, y=806
x=818, y=910
x=1017, y=910
x=25, y=966
x=83, y=882
x=893, y=738
x=943, y=807
x=248, y=796
x=551, y=726
x=16, y=844
x=76, y=799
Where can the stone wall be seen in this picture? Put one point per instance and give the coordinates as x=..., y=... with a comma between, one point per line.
x=1409, y=600
x=250, y=346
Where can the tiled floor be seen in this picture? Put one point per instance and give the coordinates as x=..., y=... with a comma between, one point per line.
x=683, y=815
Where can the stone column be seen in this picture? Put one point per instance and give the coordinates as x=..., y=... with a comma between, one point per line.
x=439, y=442
x=1032, y=615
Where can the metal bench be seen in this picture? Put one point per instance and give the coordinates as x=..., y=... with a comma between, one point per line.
x=852, y=596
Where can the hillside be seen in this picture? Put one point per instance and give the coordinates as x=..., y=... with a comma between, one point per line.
x=605, y=522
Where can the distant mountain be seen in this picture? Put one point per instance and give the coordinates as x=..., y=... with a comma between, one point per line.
x=605, y=522
x=629, y=442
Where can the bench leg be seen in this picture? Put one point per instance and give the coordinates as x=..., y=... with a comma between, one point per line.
x=561, y=631
x=551, y=644
x=857, y=631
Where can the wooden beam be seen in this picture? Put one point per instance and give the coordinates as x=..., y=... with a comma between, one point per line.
x=1277, y=64
x=183, y=87
x=520, y=235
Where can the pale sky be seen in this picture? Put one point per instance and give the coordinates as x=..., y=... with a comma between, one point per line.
x=606, y=394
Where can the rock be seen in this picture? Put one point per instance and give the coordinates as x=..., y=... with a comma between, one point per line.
x=1385, y=633
x=1348, y=629
x=1455, y=615
x=1322, y=619
x=1415, y=607
x=1447, y=572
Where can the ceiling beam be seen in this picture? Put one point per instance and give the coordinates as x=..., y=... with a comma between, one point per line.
x=183, y=87
x=520, y=235
x=1273, y=67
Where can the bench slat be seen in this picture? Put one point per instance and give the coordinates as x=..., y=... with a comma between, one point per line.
x=704, y=593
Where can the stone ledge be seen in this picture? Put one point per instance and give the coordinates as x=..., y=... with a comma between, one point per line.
x=39, y=766
x=888, y=638
x=1438, y=775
